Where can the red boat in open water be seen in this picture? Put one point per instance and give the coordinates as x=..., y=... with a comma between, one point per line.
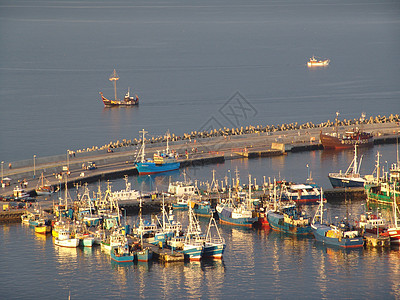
x=128, y=99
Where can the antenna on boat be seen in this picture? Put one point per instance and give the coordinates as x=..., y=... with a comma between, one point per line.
x=114, y=77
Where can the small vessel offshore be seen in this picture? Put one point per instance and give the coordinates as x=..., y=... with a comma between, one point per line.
x=356, y=136
x=314, y=62
x=128, y=99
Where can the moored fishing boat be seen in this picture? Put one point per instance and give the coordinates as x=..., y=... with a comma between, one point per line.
x=314, y=62
x=43, y=186
x=145, y=254
x=202, y=208
x=64, y=239
x=356, y=136
x=43, y=229
x=242, y=214
x=341, y=236
x=289, y=219
x=128, y=99
x=161, y=162
x=122, y=254
x=352, y=176
x=300, y=193
x=193, y=245
x=394, y=230
x=127, y=194
x=214, y=244
x=181, y=202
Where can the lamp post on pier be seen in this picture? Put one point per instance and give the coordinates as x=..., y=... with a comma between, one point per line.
x=2, y=173
x=34, y=166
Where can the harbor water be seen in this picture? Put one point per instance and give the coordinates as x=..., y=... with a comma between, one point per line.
x=186, y=60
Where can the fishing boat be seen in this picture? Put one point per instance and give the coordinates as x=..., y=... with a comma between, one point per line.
x=19, y=193
x=289, y=219
x=181, y=188
x=374, y=224
x=161, y=162
x=240, y=214
x=382, y=189
x=214, y=244
x=64, y=239
x=44, y=229
x=193, y=245
x=355, y=136
x=122, y=254
x=43, y=186
x=351, y=178
x=127, y=194
x=128, y=99
x=117, y=238
x=202, y=208
x=143, y=254
x=341, y=236
x=315, y=62
x=300, y=193
x=181, y=203
x=231, y=214
x=394, y=230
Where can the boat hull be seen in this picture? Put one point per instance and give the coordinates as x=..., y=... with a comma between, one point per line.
x=345, y=182
x=246, y=222
x=148, y=168
x=203, y=210
x=43, y=229
x=332, y=142
x=113, y=103
x=320, y=234
x=394, y=234
x=213, y=250
x=277, y=223
x=68, y=243
x=193, y=252
x=122, y=258
x=144, y=255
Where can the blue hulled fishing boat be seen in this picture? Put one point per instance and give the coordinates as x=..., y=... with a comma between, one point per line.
x=341, y=236
x=214, y=245
x=193, y=246
x=242, y=214
x=202, y=209
x=289, y=219
x=122, y=254
x=161, y=162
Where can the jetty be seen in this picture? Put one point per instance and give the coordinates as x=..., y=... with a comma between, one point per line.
x=117, y=159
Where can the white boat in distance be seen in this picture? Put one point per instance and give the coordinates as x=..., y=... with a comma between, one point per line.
x=314, y=62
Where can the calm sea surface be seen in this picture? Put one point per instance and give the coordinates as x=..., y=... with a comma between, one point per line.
x=185, y=60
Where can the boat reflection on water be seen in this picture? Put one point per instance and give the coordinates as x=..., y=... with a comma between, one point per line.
x=344, y=257
x=66, y=256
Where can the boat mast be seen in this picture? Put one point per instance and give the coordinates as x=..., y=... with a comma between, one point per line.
x=249, y=201
x=378, y=171
x=114, y=77
x=336, y=123
x=168, y=136
x=143, y=145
